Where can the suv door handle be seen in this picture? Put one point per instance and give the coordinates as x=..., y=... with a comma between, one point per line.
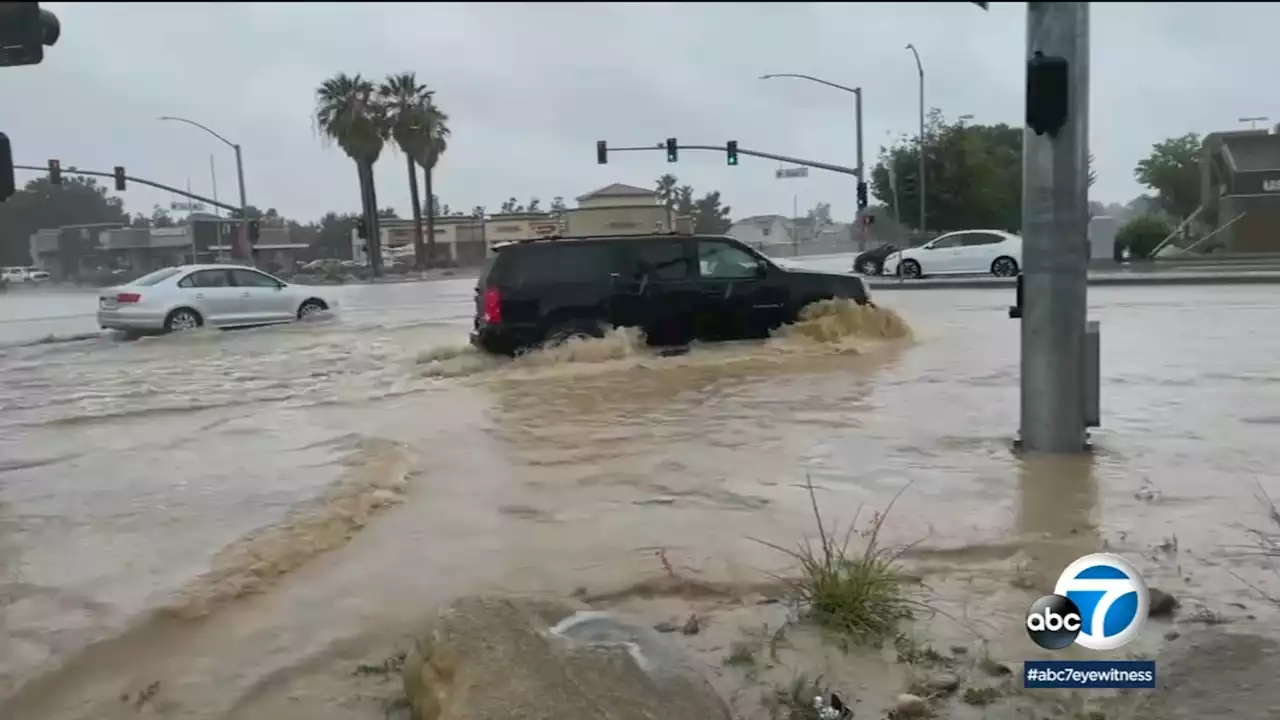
x=200, y=295
x=245, y=294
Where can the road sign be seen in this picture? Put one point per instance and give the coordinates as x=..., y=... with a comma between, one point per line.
x=796, y=172
x=186, y=206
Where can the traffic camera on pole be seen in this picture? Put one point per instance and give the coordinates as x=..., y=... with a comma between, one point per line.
x=120, y=178
x=55, y=172
x=731, y=152
x=25, y=30
x=673, y=150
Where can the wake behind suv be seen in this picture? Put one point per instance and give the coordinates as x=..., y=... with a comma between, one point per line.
x=676, y=288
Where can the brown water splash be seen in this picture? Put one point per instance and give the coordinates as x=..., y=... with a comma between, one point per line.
x=375, y=478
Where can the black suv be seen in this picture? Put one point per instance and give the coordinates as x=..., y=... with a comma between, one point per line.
x=676, y=288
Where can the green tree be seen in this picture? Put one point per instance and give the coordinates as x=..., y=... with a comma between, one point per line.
x=710, y=216
x=160, y=218
x=1142, y=235
x=534, y=205
x=557, y=206
x=348, y=114
x=820, y=215
x=405, y=102
x=333, y=235
x=478, y=211
x=974, y=176
x=1172, y=170
x=437, y=143
x=666, y=188
x=40, y=205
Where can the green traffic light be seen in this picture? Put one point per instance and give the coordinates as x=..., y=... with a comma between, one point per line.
x=733, y=159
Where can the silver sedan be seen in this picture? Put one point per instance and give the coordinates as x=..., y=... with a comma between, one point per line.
x=192, y=296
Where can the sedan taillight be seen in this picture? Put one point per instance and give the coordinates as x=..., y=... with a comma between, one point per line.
x=125, y=298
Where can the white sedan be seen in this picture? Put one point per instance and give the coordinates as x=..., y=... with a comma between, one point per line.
x=191, y=296
x=967, y=252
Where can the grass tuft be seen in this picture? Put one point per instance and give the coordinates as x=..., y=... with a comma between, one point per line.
x=859, y=595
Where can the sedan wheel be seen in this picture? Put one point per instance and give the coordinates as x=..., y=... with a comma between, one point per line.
x=180, y=320
x=1004, y=267
x=869, y=267
x=910, y=268
x=309, y=308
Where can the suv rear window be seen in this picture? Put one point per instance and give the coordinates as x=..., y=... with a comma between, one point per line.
x=567, y=262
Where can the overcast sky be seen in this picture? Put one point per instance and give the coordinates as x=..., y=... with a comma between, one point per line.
x=531, y=87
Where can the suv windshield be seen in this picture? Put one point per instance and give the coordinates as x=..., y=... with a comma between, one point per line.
x=155, y=277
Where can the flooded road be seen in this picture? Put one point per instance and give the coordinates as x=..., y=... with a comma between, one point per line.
x=230, y=512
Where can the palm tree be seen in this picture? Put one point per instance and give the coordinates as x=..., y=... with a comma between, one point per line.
x=348, y=113
x=437, y=142
x=667, y=194
x=405, y=103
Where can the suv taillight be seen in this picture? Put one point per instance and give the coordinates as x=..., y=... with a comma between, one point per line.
x=492, y=306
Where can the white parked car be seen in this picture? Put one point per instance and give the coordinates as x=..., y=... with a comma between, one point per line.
x=23, y=275
x=966, y=252
x=222, y=296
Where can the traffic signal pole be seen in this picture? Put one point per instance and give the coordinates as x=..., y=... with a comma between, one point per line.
x=602, y=151
x=140, y=181
x=1055, y=229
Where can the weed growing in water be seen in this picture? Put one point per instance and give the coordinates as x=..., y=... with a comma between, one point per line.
x=860, y=596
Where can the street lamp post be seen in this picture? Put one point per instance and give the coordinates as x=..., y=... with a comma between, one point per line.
x=857, y=93
x=1253, y=121
x=245, y=250
x=920, y=181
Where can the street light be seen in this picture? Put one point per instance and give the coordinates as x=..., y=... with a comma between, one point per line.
x=244, y=205
x=857, y=92
x=1253, y=121
x=920, y=183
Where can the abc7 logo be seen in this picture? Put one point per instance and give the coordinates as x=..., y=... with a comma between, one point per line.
x=1053, y=622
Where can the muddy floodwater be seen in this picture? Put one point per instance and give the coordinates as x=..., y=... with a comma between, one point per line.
x=229, y=521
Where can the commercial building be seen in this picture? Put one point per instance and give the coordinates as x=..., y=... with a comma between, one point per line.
x=467, y=240
x=1240, y=190
x=79, y=250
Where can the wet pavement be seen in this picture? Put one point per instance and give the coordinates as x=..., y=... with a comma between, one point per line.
x=225, y=510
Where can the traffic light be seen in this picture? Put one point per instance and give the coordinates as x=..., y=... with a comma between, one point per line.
x=253, y=232
x=55, y=172
x=862, y=195
x=602, y=154
x=673, y=150
x=8, y=184
x=120, y=178
x=907, y=185
x=731, y=152
x=24, y=31
x=362, y=228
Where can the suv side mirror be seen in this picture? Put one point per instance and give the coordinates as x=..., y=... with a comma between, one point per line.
x=762, y=269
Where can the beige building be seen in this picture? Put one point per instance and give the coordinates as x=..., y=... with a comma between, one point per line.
x=617, y=209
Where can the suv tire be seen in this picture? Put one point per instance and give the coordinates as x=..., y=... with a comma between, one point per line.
x=582, y=329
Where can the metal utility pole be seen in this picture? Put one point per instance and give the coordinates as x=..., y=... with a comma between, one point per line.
x=1253, y=121
x=1055, y=230
x=246, y=251
x=920, y=187
x=857, y=92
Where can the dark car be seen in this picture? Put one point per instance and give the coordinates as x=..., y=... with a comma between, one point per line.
x=676, y=288
x=871, y=262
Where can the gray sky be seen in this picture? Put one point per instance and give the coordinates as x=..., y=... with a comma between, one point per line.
x=530, y=87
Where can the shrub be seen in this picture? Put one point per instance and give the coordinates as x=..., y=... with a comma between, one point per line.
x=859, y=595
x=1142, y=235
